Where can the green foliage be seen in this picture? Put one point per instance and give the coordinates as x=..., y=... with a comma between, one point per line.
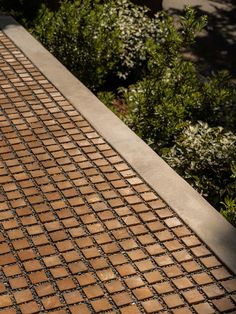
x=99, y=43
x=162, y=97
x=191, y=26
x=83, y=36
x=217, y=101
x=135, y=27
x=160, y=104
x=172, y=92
x=203, y=156
x=229, y=209
x=108, y=98
x=164, y=109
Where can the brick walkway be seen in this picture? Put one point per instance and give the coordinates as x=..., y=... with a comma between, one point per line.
x=81, y=232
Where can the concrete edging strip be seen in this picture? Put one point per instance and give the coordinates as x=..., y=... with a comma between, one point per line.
x=201, y=217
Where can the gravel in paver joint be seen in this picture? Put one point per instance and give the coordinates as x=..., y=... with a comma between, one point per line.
x=81, y=232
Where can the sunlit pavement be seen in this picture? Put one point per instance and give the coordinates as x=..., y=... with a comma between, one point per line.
x=81, y=232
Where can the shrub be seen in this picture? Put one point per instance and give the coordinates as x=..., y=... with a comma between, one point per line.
x=229, y=209
x=159, y=107
x=135, y=28
x=111, y=43
x=83, y=36
x=160, y=104
x=98, y=42
x=173, y=92
x=203, y=156
x=217, y=102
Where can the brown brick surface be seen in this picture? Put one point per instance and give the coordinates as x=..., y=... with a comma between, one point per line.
x=81, y=232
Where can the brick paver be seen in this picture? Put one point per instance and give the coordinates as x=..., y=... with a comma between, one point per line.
x=81, y=232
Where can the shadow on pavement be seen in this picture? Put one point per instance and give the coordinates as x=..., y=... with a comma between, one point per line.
x=6, y=21
x=215, y=47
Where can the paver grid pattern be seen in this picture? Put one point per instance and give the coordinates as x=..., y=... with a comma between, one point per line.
x=81, y=232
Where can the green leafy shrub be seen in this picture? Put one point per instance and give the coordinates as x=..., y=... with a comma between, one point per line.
x=107, y=98
x=135, y=28
x=229, y=209
x=218, y=101
x=173, y=92
x=159, y=107
x=162, y=97
x=98, y=42
x=203, y=156
x=161, y=103
x=81, y=34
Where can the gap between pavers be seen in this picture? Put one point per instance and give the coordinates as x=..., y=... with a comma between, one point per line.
x=195, y=211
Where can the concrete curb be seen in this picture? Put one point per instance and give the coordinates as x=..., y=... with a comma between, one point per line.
x=201, y=217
